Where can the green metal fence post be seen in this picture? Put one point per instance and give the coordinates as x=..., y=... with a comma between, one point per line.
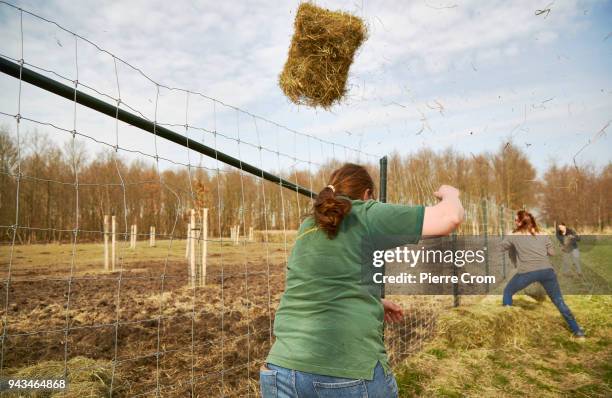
x=456, y=295
x=485, y=216
x=383, y=179
x=502, y=233
x=383, y=199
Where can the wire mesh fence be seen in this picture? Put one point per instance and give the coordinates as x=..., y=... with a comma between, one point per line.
x=149, y=264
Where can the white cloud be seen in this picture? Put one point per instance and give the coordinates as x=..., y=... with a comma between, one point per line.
x=480, y=60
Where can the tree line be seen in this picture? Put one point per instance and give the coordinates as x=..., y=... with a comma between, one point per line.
x=49, y=192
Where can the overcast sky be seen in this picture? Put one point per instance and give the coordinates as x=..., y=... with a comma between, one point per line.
x=462, y=74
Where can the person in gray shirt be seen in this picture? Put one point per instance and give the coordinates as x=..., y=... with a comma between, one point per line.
x=532, y=251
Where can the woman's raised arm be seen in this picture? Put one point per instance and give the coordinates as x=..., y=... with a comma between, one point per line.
x=445, y=217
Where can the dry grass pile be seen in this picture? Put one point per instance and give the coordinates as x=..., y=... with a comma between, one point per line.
x=485, y=326
x=322, y=49
x=86, y=378
x=485, y=350
x=536, y=292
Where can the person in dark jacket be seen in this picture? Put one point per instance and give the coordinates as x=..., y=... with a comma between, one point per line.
x=568, y=239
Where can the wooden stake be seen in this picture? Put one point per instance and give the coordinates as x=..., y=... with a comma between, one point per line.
x=133, y=236
x=237, y=234
x=106, y=251
x=204, y=236
x=250, y=234
x=113, y=243
x=192, y=258
x=152, y=237
x=188, y=235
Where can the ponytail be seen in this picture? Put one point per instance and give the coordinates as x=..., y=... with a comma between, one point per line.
x=534, y=226
x=333, y=203
x=329, y=211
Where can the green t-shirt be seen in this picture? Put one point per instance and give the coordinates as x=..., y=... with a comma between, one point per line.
x=330, y=317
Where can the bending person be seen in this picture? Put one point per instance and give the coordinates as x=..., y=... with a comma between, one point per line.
x=329, y=324
x=532, y=251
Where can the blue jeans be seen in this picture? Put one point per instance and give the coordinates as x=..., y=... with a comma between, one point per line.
x=571, y=257
x=548, y=279
x=277, y=382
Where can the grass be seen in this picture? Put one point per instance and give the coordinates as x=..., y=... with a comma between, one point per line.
x=486, y=350
x=482, y=349
x=89, y=257
x=478, y=350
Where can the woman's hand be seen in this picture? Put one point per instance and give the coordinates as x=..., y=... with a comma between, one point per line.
x=393, y=312
x=446, y=191
x=445, y=217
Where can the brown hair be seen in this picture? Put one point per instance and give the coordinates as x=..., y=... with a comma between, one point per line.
x=329, y=209
x=526, y=222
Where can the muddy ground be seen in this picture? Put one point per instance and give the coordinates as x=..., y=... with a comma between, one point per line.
x=152, y=330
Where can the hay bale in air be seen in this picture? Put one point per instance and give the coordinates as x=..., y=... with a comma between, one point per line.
x=321, y=52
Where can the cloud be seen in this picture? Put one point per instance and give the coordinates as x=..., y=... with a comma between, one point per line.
x=483, y=61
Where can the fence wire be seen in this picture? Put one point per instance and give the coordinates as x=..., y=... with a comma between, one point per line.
x=157, y=332
x=149, y=322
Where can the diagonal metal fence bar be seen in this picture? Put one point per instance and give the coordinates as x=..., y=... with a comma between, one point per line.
x=18, y=71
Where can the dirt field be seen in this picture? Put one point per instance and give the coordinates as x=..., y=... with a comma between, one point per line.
x=204, y=341
x=158, y=328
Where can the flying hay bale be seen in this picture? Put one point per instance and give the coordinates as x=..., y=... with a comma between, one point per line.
x=321, y=52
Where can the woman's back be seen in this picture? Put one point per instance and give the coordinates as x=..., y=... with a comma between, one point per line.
x=330, y=318
x=329, y=323
x=532, y=251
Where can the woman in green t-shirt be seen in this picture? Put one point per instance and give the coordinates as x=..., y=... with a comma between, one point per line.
x=329, y=324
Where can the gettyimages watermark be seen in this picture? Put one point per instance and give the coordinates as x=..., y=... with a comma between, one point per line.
x=477, y=264
x=411, y=257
